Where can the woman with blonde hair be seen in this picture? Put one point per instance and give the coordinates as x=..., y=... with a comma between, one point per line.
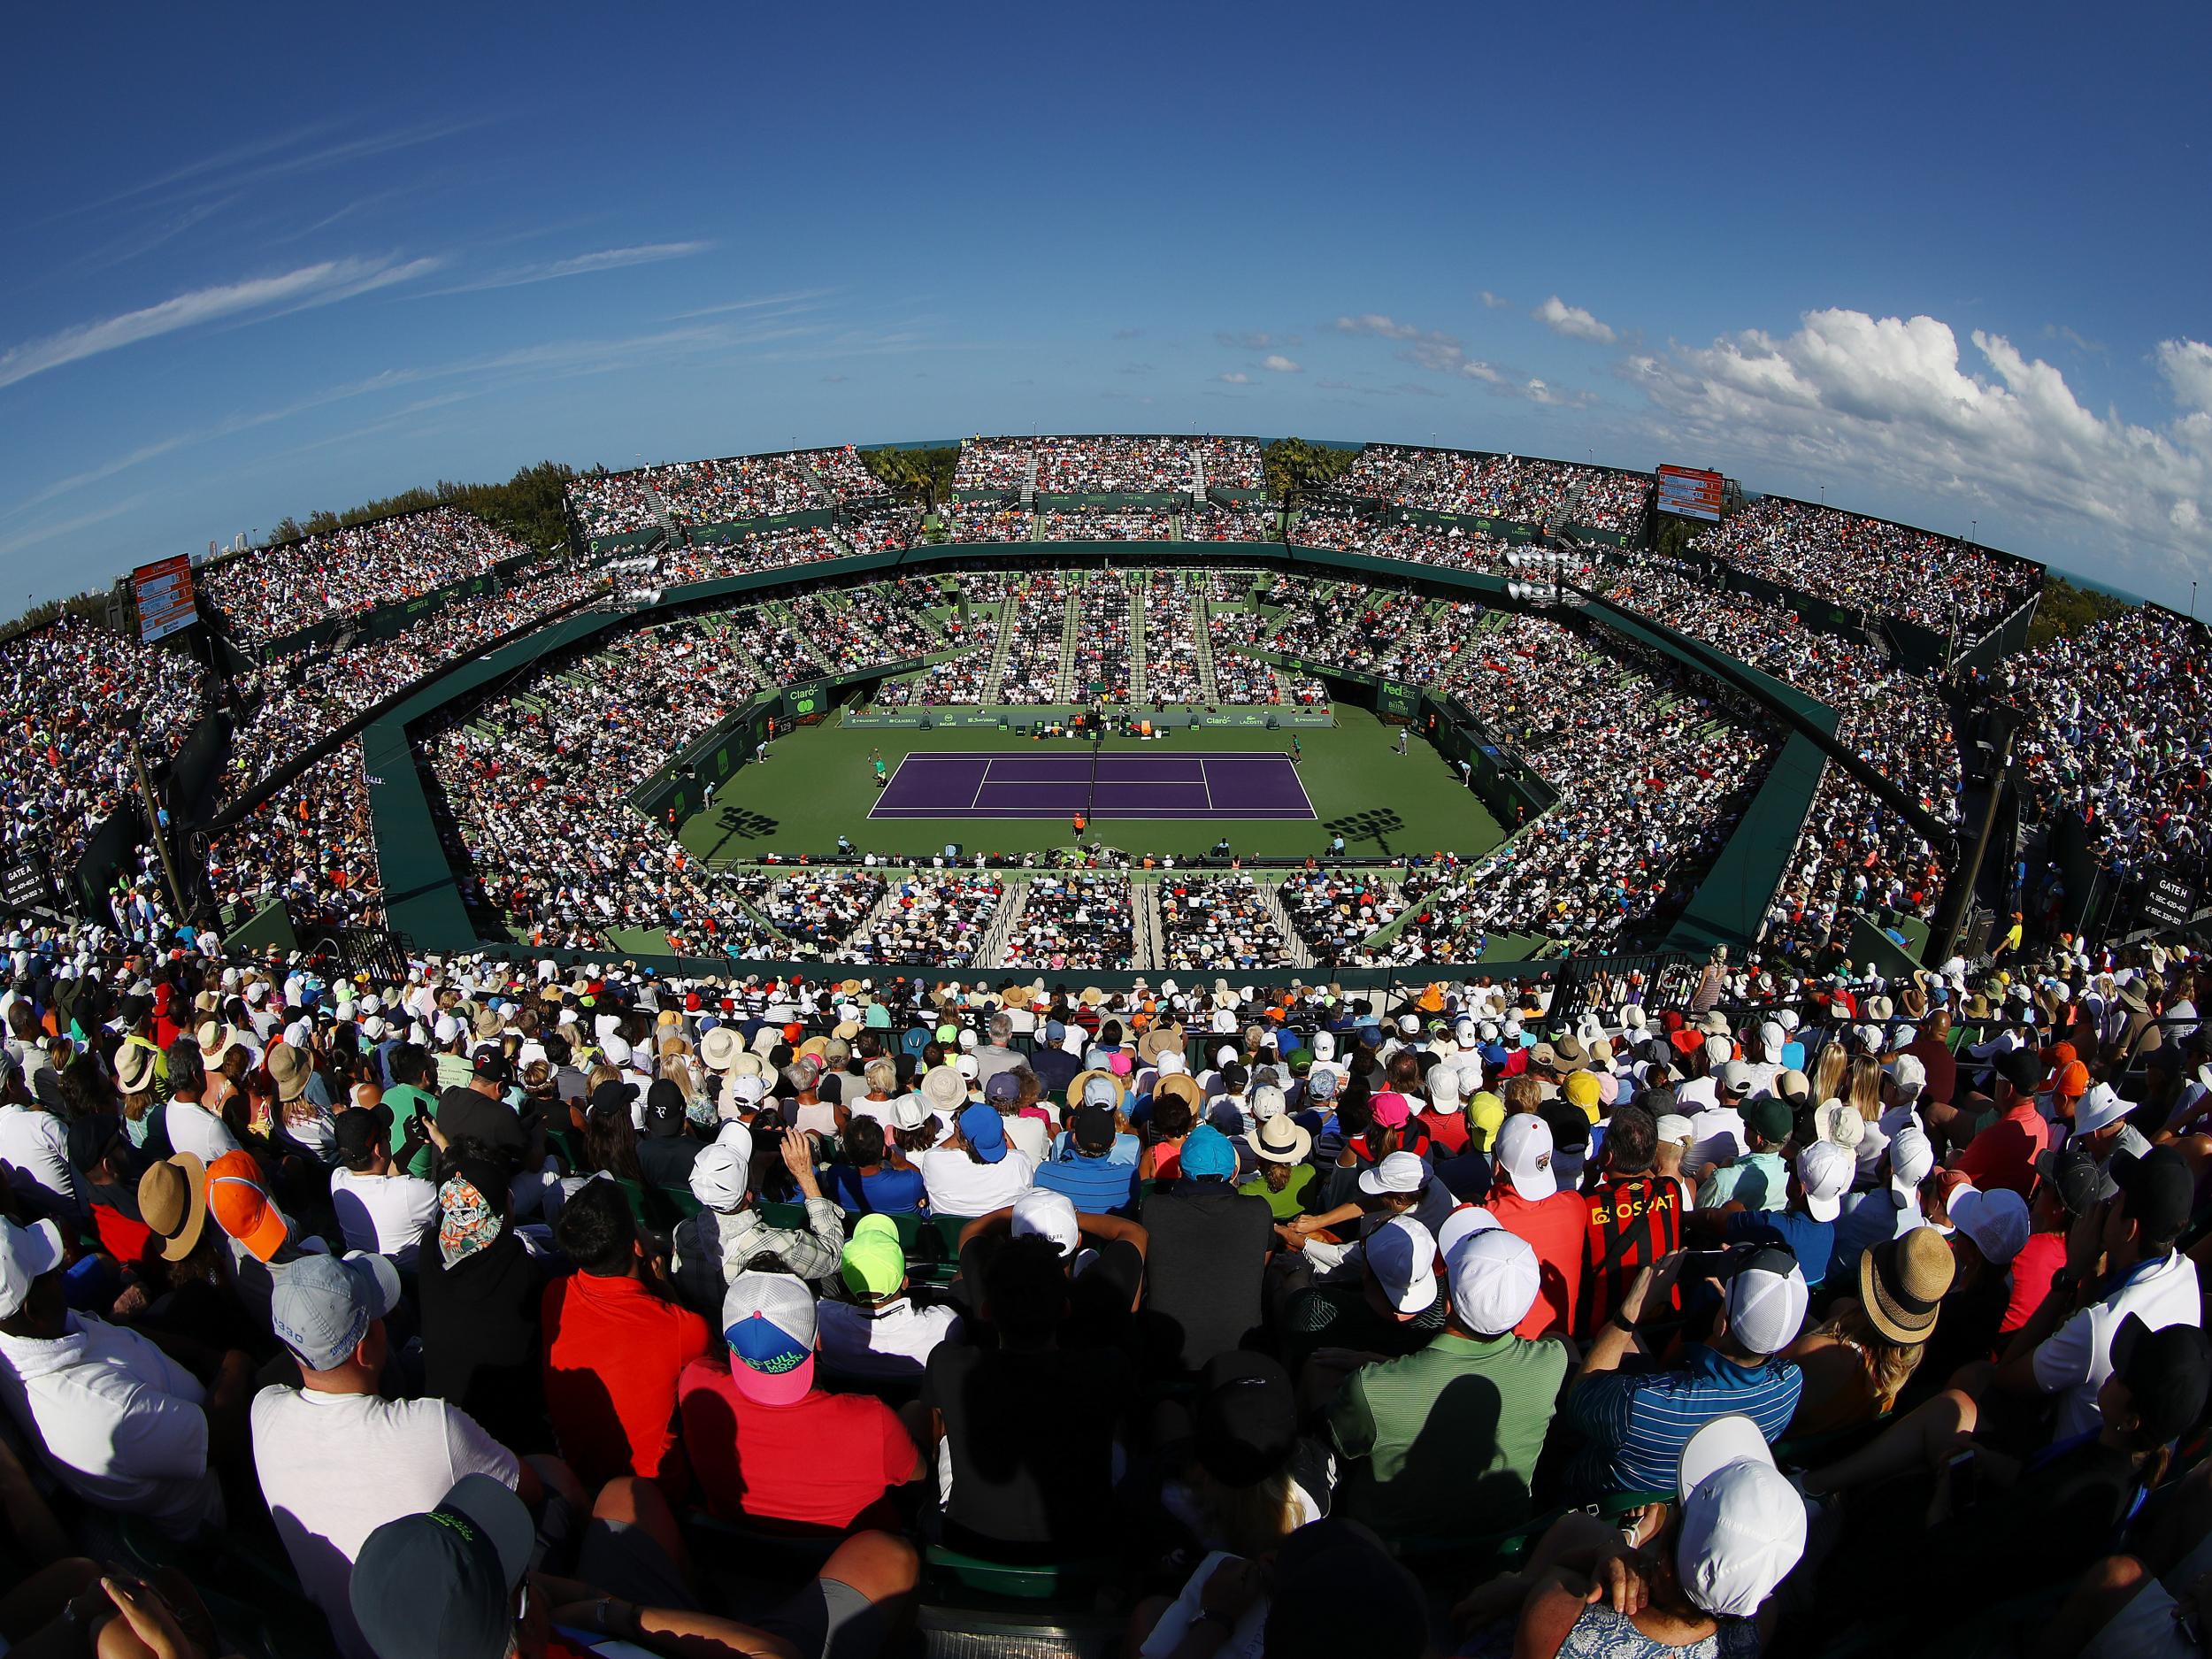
x=1828, y=1073
x=1857, y=1361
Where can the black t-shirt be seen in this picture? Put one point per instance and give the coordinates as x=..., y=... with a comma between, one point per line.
x=666, y=1160
x=1100, y=1294
x=1207, y=1255
x=464, y=1114
x=1339, y=1316
x=1032, y=1438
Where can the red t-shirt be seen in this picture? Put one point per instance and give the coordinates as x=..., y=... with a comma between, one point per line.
x=612, y=1354
x=820, y=1461
x=2004, y=1154
x=1553, y=1228
x=1448, y=1129
x=2039, y=1258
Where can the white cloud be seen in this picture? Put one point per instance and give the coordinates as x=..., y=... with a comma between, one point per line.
x=2187, y=366
x=1494, y=302
x=1572, y=321
x=1235, y=377
x=1384, y=327
x=1441, y=353
x=1888, y=402
x=1279, y=364
x=580, y=265
x=321, y=284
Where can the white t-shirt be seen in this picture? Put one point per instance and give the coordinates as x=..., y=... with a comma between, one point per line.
x=2074, y=1360
x=120, y=1423
x=959, y=1186
x=35, y=1148
x=335, y=1467
x=1028, y=1136
x=894, y=1341
x=384, y=1215
x=194, y=1129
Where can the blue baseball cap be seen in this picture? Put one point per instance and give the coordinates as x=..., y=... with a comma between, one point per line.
x=984, y=1130
x=768, y=1319
x=1207, y=1152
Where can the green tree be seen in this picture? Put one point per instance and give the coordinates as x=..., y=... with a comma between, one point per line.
x=923, y=477
x=1299, y=463
x=2067, y=608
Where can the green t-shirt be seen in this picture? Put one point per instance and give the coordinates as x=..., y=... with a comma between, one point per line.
x=402, y=1098
x=1444, y=1441
x=1291, y=1201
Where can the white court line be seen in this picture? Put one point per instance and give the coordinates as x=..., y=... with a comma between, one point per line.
x=980, y=782
x=1207, y=784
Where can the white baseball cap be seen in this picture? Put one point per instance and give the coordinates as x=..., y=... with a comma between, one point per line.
x=1996, y=1220
x=1399, y=1172
x=1049, y=1215
x=1524, y=1152
x=1463, y=1224
x=1766, y=1304
x=1401, y=1255
x=615, y=1050
x=1495, y=1280
x=25, y=1254
x=1910, y=1159
x=1826, y=1172
x=1743, y=1523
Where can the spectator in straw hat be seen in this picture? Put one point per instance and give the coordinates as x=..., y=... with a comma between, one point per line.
x=1857, y=1361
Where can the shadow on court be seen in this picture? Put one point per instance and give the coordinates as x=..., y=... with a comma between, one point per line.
x=1376, y=825
x=739, y=823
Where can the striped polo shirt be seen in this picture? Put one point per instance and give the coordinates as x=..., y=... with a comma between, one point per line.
x=1095, y=1187
x=1638, y=1421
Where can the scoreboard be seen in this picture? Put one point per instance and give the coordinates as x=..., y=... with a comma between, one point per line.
x=164, y=592
x=1689, y=494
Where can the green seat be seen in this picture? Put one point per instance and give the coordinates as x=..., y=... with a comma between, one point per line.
x=1044, y=1581
x=563, y=1142
x=789, y=1217
x=1485, y=1552
x=686, y=1201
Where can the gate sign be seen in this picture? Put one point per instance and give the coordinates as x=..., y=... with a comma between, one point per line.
x=2170, y=903
x=26, y=884
x=164, y=592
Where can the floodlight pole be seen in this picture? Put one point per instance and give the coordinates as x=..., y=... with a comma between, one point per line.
x=153, y=823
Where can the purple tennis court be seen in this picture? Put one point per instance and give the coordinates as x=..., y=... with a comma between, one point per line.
x=1026, y=784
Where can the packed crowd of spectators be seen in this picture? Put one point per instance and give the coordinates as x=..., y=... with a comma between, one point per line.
x=2116, y=735
x=1073, y=919
x=1220, y=924
x=888, y=530
x=988, y=521
x=1626, y=843
x=79, y=694
x=486, y=1308
x=735, y=488
x=1213, y=523
x=1518, y=489
x=271, y=592
x=1107, y=524
x=1857, y=855
x=1334, y=528
x=298, y=700
x=844, y=473
x=711, y=560
x=817, y=911
x=1112, y=463
x=1336, y=912
x=1234, y=463
x=1039, y=621
x=312, y=846
x=1101, y=663
x=938, y=918
x=1873, y=567
x=1170, y=601
x=611, y=504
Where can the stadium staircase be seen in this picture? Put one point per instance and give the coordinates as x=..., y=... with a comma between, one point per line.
x=1299, y=953
x=877, y=913
x=992, y=952
x=1197, y=478
x=661, y=515
x=1008, y=610
x=1202, y=622
x=1029, y=481
x=1147, y=938
x=1137, y=593
x=1071, y=611
x=829, y=495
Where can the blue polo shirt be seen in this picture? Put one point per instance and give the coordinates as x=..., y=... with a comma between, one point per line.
x=1095, y=1187
x=1810, y=1241
x=1638, y=1421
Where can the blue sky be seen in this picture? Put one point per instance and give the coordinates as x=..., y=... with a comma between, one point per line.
x=1948, y=267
